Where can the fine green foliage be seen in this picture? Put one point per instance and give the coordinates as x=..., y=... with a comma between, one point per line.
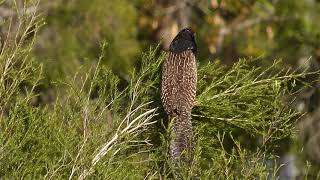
x=99, y=128
x=246, y=98
x=242, y=117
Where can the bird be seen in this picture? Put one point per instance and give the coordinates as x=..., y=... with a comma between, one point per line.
x=178, y=92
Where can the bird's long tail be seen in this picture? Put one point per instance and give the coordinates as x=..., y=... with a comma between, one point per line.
x=181, y=145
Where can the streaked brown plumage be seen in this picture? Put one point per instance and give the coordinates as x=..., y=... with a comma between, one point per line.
x=178, y=91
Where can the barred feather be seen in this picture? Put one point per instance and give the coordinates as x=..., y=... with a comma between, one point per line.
x=178, y=91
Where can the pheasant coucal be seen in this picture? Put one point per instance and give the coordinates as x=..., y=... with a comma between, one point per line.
x=178, y=91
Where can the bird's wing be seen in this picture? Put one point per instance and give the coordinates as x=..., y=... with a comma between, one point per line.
x=187, y=82
x=179, y=80
x=169, y=83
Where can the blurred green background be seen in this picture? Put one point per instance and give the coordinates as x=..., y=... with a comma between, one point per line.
x=226, y=29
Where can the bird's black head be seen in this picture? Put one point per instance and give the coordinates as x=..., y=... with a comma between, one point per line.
x=184, y=41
